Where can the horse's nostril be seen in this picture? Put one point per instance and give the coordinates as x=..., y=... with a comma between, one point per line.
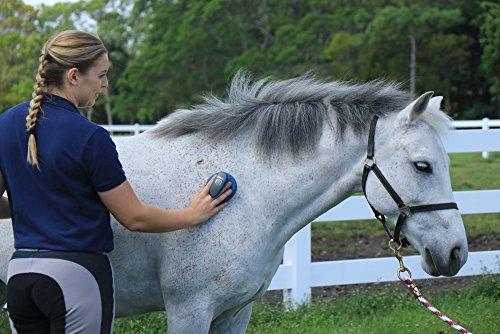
x=429, y=259
x=455, y=254
x=455, y=260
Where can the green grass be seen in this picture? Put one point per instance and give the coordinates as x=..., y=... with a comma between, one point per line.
x=469, y=171
x=386, y=311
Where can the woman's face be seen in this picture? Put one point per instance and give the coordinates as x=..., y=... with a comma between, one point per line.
x=92, y=83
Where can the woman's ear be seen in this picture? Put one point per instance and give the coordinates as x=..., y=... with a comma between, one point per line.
x=72, y=75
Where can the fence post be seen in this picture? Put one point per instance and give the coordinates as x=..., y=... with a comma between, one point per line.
x=298, y=255
x=136, y=129
x=486, y=126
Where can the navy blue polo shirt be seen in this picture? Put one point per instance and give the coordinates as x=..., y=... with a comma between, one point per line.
x=57, y=206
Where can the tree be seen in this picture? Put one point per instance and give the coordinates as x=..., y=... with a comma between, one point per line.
x=164, y=53
x=18, y=59
x=489, y=25
x=116, y=29
x=195, y=46
x=399, y=32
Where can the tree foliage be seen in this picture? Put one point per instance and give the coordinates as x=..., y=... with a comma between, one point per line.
x=489, y=26
x=18, y=56
x=164, y=54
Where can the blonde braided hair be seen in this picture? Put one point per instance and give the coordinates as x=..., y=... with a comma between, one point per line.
x=65, y=50
x=35, y=107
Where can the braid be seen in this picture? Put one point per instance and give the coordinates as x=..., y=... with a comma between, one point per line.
x=35, y=107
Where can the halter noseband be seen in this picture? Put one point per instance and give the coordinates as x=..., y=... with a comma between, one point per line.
x=404, y=209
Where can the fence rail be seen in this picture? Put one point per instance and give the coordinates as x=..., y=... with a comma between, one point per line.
x=137, y=128
x=298, y=274
x=484, y=123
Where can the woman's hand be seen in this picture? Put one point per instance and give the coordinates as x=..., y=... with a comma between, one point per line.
x=202, y=206
x=4, y=201
x=4, y=208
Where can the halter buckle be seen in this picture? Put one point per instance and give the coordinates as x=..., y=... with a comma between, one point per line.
x=405, y=209
x=369, y=162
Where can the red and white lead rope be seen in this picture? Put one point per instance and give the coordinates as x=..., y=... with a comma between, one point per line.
x=418, y=296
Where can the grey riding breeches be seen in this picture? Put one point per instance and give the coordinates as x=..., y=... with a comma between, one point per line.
x=57, y=292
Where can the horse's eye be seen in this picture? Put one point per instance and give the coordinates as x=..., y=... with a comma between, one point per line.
x=423, y=166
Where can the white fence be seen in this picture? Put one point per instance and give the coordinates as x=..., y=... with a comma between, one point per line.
x=297, y=275
x=485, y=124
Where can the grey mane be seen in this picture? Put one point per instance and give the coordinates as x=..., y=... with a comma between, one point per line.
x=285, y=116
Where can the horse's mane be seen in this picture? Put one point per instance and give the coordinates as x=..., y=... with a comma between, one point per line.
x=287, y=116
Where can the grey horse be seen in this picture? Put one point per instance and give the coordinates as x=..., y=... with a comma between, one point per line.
x=297, y=148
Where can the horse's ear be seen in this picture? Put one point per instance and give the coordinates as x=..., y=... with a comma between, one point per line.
x=435, y=103
x=417, y=107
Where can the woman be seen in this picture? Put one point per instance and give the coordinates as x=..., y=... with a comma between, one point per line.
x=63, y=179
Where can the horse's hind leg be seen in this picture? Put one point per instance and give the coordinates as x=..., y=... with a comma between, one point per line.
x=235, y=323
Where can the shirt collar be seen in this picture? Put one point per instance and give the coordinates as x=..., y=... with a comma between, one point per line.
x=60, y=102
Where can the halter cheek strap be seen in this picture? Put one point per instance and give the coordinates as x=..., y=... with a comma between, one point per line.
x=404, y=209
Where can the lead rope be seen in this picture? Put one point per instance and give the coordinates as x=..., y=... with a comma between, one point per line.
x=408, y=281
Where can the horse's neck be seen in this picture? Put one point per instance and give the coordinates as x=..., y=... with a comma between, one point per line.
x=296, y=193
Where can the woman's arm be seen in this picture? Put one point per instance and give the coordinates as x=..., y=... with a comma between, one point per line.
x=137, y=216
x=4, y=201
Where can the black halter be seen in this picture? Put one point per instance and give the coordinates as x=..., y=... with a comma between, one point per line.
x=404, y=209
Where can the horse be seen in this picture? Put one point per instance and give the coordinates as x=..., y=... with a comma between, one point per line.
x=297, y=148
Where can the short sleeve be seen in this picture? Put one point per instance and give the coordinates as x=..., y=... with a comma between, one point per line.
x=101, y=162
